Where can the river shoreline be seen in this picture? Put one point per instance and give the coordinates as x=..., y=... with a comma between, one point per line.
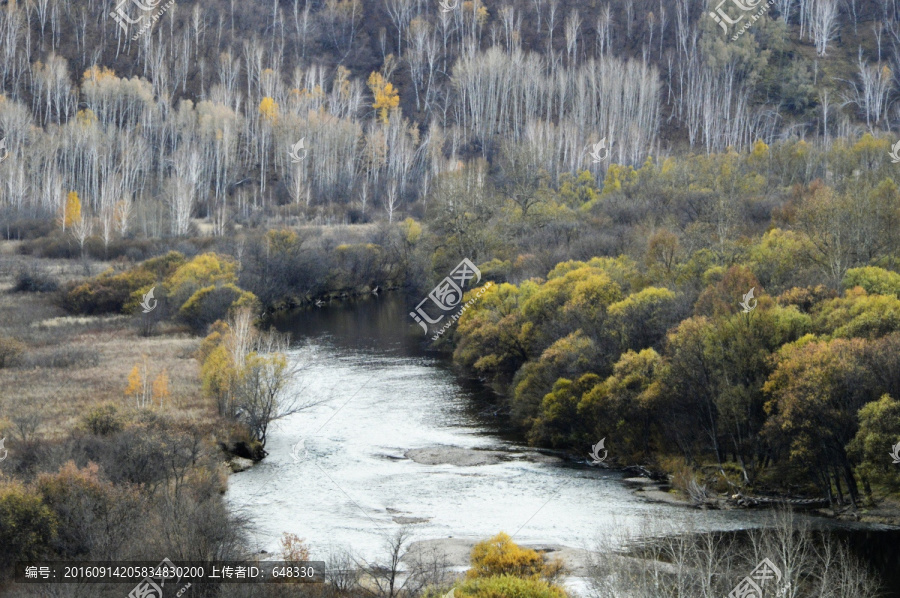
x=885, y=513
x=408, y=442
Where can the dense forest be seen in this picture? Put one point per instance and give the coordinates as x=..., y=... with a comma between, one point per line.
x=194, y=122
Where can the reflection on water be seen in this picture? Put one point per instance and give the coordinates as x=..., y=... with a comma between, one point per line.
x=353, y=484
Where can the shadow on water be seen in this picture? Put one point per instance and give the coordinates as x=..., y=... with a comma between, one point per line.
x=381, y=325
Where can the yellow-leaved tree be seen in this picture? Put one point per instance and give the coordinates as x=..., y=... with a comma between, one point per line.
x=161, y=387
x=268, y=109
x=501, y=568
x=139, y=384
x=386, y=97
x=97, y=73
x=144, y=391
x=71, y=212
x=247, y=373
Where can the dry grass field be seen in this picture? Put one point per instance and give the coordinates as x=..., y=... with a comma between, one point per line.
x=70, y=364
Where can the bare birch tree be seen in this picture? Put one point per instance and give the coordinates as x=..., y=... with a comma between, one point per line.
x=824, y=24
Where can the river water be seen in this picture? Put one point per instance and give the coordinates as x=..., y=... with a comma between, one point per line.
x=348, y=484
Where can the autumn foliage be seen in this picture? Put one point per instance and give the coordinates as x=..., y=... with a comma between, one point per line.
x=499, y=568
x=386, y=97
x=71, y=210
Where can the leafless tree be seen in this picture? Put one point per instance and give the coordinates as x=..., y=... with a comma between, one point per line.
x=400, y=12
x=824, y=24
x=675, y=561
x=403, y=571
x=572, y=27
x=81, y=230
x=871, y=94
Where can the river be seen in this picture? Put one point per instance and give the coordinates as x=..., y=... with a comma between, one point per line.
x=350, y=484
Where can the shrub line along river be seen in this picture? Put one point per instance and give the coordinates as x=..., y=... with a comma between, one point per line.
x=401, y=442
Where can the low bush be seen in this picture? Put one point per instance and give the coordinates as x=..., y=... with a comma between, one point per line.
x=24, y=228
x=507, y=586
x=680, y=473
x=33, y=280
x=213, y=303
x=56, y=245
x=208, y=269
x=106, y=293
x=10, y=350
x=501, y=556
x=102, y=420
x=115, y=293
x=90, y=510
x=27, y=525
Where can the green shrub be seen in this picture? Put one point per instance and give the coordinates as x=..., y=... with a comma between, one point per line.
x=879, y=427
x=102, y=420
x=165, y=265
x=202, y=271
x=88, y=508
x=116, y=293
x=106, y=293
x=27, y=526
x=214, y=303
x=876, y=281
